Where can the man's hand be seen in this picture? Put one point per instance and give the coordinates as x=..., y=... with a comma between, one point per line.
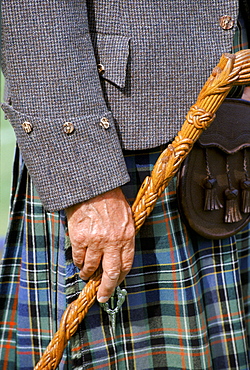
x=102, y=230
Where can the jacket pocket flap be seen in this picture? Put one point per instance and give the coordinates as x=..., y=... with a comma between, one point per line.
x=112, y=53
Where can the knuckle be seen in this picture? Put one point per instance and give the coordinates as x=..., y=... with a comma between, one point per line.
x=98, y=236
x=113, y=275
x=89, y=270
x=77, y=252
x=130, y=230
x=78, y=261
x=131, y=234
x=126, y=267
x=77, y=237
x=77, y=256
x=123, y=234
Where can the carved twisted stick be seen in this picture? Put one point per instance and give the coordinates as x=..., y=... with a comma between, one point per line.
x=231, y=70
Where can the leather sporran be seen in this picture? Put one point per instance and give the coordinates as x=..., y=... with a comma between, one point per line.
x=214, y=180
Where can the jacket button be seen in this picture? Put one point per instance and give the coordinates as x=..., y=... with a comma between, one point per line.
x=226, y=22
x=104, y=122
x=27, y=127
x=100, y=68
x=68, y=128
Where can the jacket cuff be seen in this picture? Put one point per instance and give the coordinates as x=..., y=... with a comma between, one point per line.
x=71, y=161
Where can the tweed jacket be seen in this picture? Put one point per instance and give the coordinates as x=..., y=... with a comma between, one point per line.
x=88, y=78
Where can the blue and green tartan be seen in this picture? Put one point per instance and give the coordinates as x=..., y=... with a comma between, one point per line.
x=187, y=305
x=188, y=297
x=32, y=276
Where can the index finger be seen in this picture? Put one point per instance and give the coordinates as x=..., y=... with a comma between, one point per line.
x=111, y=265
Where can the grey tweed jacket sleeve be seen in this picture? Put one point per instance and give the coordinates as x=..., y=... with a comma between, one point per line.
x=70, y=122
x=53, y=89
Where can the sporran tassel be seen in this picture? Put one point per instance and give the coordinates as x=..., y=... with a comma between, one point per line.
x=245, y=186
x=232, y=210
x=211, y=198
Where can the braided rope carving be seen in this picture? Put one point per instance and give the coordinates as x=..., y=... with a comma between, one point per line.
x=231, y=70
x=71, y=318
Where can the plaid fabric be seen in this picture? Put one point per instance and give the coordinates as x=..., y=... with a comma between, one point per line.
x=187, y=305
x=32, y=277
x=188, y=297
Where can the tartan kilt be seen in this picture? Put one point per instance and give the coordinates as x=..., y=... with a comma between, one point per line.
x=187, y=305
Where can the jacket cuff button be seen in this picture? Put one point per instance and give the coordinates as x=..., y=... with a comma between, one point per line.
x=68, y=128
x=226, y=22
x=104, y=122
x=27, y=127
x=100, y=68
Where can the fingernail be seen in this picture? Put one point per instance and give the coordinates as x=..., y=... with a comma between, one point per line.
x=102, y=299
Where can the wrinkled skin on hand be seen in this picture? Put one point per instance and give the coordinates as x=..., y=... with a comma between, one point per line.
x=101, y=230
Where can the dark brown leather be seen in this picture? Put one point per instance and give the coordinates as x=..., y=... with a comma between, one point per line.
x=224, y=141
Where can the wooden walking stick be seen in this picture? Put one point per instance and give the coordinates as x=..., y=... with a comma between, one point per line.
x=231, y=70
